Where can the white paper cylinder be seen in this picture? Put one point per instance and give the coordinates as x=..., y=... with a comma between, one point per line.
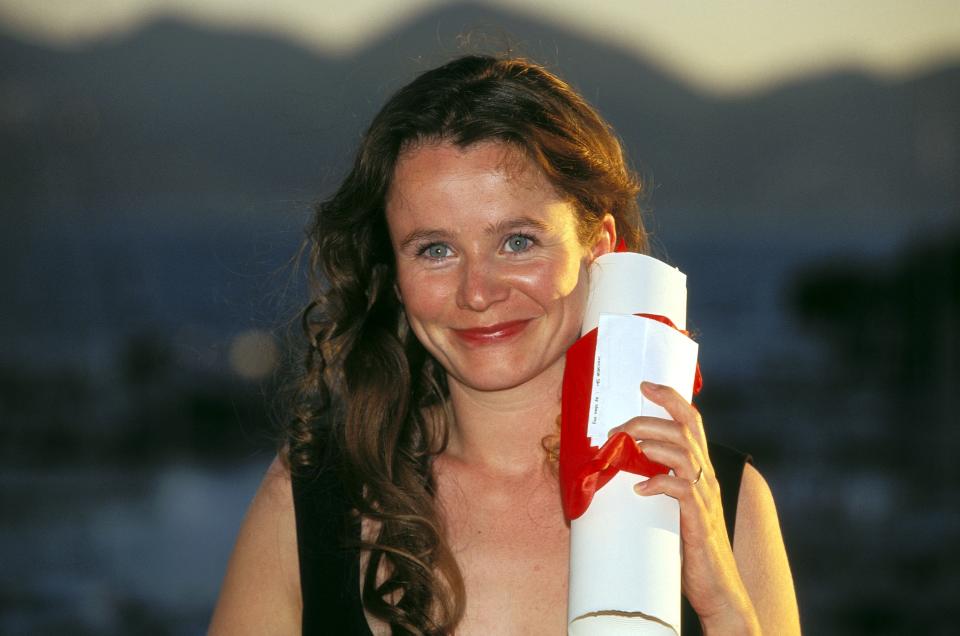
x=629, y=283
x=625, y=549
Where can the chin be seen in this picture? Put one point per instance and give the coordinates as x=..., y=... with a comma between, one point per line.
x=490, y=384
x=497, y=378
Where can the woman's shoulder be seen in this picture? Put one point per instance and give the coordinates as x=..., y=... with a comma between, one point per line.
x=261, y=590
x=761, y=557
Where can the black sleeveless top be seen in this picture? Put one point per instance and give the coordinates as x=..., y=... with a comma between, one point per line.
x=330, y=573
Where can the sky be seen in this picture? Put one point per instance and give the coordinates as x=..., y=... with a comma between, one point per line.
x=723, y=46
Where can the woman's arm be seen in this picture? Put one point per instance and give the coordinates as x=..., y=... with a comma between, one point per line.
x=261, y=590
x=742, y=591
x=761, y=557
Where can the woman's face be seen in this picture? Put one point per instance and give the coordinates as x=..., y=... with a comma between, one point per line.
x=489, y=267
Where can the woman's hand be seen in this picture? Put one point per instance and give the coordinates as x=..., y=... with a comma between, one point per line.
x=710, y=578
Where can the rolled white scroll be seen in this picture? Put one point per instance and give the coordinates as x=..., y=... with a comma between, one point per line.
x=625, y=549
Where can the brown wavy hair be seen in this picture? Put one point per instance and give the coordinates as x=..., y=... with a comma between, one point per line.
x=372, y=402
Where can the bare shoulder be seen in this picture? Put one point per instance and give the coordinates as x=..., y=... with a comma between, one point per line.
x=762, y=558
x=261, y=590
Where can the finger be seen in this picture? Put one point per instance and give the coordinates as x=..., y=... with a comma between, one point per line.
x=646, y=427
x=679, y=409
x=679, y=488
x=684, y=461
x=667, y=442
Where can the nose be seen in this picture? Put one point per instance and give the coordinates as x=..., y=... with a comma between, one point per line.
x=481, y=285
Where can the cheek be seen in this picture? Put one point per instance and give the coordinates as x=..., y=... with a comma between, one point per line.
x=423, y=298
x=549, y=281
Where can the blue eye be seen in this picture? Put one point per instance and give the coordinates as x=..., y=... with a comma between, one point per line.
x=434, y=251
x=518, y=243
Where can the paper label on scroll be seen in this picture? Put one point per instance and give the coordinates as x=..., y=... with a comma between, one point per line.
x=630, y=350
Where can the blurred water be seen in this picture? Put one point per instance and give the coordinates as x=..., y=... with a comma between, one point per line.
x=107, y=550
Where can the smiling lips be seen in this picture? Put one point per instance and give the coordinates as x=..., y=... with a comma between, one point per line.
x=492, y=334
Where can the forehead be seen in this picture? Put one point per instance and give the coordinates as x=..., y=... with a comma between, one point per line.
x=442, y=173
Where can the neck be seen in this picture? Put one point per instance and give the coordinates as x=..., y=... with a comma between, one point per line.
x=503, y=431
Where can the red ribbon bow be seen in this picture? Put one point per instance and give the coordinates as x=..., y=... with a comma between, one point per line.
x=585, y=468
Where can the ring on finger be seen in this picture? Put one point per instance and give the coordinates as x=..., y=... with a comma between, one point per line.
x=699, y=475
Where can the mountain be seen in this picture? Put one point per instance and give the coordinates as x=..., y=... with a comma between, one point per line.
x=166, y=175
x=177, y=115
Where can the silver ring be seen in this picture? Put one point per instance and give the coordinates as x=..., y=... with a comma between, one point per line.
x=699, y=475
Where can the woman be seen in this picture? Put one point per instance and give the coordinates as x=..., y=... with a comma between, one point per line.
x=415, y=493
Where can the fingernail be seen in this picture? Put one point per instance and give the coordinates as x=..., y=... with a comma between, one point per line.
x=613, y=431
x=640, y=487
x=650, y=386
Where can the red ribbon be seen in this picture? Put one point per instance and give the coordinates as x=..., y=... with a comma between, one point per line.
x=585, y=468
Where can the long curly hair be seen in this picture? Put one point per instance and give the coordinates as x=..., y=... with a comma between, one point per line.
x=371, y=402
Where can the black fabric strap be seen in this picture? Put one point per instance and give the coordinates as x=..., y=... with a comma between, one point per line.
x=329, y=571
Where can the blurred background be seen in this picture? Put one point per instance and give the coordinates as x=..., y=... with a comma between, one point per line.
x=158, y=161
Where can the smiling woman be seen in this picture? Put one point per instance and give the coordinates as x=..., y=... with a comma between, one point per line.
x=413, y=493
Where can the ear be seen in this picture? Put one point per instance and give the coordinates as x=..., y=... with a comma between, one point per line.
x=606, y=238
x=396, y=290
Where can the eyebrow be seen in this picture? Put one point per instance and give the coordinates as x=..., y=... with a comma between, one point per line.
x=520, y=223
x=501, y=227
x=422, y=236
